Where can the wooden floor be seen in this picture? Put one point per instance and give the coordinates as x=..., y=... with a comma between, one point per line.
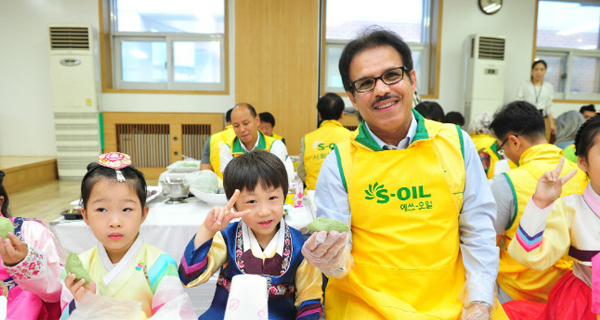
x=44, y=202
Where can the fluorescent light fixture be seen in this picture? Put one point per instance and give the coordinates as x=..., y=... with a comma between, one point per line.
x=589, y=47
x=586, y=27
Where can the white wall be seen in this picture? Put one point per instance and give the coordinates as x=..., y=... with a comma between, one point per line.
x=515, y=22
x=26, y=125
x=461, y=18
x=26, y=116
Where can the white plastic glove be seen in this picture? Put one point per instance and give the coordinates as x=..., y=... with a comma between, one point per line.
x=479, y=310
x=329, y=253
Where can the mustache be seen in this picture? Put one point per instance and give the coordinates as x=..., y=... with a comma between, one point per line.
x=386, y=97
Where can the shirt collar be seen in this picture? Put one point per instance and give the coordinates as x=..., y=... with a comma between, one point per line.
x=255, y=144
x=404, y=143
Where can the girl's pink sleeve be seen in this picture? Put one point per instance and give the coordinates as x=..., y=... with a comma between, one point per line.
x=41, y=270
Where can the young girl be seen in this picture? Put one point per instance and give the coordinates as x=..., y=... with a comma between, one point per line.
x=122, y=265
x=261, y=243
x=32, y=262
x=550, y=226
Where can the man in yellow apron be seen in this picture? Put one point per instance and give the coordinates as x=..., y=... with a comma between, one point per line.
x=267, y=124
x=212, y=146
x=520, y=130
x=415, y=196
x=316, y=145
x=245, y=124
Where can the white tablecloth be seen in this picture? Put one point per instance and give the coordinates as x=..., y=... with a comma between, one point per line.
x=168, y=227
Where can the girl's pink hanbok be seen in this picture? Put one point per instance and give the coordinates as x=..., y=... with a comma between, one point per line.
x=33, y=287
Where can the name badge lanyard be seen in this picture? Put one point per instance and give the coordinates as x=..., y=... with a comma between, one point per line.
x=537, y=93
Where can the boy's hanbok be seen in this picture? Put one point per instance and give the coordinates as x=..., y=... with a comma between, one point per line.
x=295, y=289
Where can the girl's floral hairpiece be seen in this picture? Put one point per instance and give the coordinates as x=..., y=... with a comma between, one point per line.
x=117, y=161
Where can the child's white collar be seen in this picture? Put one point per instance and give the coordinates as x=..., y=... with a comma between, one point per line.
x=275, y=245
x=114, y=270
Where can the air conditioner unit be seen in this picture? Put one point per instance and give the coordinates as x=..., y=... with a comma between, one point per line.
x=74, y=99
x=485, y=72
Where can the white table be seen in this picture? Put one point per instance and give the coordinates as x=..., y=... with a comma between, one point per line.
x=169, y=227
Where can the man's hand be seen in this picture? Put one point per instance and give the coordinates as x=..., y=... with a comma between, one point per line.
x=479, y=311
x=326, y=251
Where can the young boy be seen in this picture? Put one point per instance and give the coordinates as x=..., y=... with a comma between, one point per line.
x=261, y=243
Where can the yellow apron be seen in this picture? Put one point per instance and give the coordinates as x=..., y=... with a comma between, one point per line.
x=216, y=141
x=276, y=136
x=317, y=145
x=519, y=282
x=485, y=143
x=405, y=231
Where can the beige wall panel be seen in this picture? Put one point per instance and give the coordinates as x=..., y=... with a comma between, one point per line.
x=175, y=121
x=276, y=59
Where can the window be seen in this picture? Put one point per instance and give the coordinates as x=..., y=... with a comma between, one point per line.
x=568, y=40
x=344, y=19
x=168, y=45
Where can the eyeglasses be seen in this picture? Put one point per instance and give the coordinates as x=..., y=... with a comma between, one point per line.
x=389, y=77
x=500, y=148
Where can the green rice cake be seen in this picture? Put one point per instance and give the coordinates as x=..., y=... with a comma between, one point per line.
x=75, y=267
x=326, y=224
x=6, y=226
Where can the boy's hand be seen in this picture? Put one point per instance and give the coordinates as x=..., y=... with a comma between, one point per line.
x=77, y=289
x=12, y=250
x=219, y=217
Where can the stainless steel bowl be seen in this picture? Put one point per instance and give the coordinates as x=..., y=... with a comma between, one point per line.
x=175, y=190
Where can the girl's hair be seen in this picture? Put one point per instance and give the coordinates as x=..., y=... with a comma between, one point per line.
x=584, y=140
x=535, y=63
x=96, y=172
x=4, y=210
x=248, y=170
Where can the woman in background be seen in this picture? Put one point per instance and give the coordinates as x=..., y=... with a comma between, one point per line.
x=539, y=93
